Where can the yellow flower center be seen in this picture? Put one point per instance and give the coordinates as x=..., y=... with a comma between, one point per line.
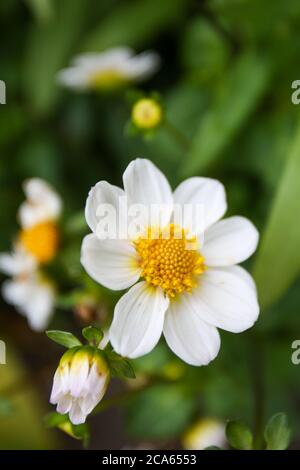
x=41, y=241
x=107, y=80
x=170, y=260
x=146, y=113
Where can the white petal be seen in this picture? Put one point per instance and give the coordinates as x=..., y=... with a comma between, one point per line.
x=138, y=320
x=56, y=388
x=189, y=337
x=73, y=77
x=7, y=264
x=103, y=194
x=17, y=293
x=206, y=196
x=242, y=273
x=64, y=376
x=76, y=414
x=88, y=403
x=226, y=298
x=146, y=185
x=64, y=404
x=143, y=65
x=18, y=262
x=78, y=373
x=229, y=241
x=114, y=56
x=105, y=340
x=112, y=263
x=95, y=384
x=40, y=305
x=95, y=389
x=42, y=203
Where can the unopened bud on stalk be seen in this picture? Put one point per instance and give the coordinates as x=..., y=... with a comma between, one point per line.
x=146, y=114
x=80, y=382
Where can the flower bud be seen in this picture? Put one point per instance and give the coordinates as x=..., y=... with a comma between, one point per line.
x=80, y=382
x=146, y=114
x=204, y=433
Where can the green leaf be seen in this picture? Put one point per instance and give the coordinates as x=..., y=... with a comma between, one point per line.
x=247, y=19
x=48, y=49
x=239, y=436
x=42, y=9
x=212, y=51
x=124, y=25
x=232, y=105
x=93, y=335
x=119, y=366
x=278, y=259
x=62, y=422
x=54, y=419
x=161, y=412
x=278, y=432
x=64, y=338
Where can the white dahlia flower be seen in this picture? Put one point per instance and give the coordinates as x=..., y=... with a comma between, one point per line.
x=108, y=70
x=80, y=382
x=184, y=285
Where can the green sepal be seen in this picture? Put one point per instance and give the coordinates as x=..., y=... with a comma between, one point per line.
x=62, y=422
x=119, y=366
x=64, y=338
x=93, y=335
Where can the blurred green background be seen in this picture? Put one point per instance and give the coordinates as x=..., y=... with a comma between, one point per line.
x=225, y=81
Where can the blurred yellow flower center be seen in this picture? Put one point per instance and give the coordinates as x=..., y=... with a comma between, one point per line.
x=41, y=241
x=146, y=113
x=169, y=259
x=107, y=79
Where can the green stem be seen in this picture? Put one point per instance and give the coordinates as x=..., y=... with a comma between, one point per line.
x=181, y=140
x=258, y=390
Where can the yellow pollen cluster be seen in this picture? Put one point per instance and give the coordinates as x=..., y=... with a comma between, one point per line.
x=41, y=241
x=170, y=261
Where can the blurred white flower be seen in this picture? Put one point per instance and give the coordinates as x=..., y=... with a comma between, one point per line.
x=38, y=216
x=108, y=70
x=205, y=433
x=28, y=291
x=80, y=382
x=42, y=203
x=32, y=294
x=188, y=289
